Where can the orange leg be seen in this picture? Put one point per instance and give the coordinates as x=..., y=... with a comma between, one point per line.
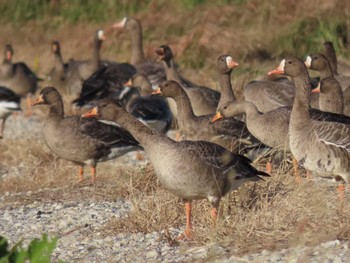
x=93, y=175
x=214, y=215
x=2, y=125
x=296, y=171
x=188, y=229
x=29, y=106
x=341, y=191
x=81, y=174
x=177, y=136
x=268, y=167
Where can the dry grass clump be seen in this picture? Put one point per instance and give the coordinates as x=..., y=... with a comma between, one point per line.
x=273, y=214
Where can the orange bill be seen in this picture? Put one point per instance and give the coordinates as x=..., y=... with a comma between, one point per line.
x=217, y=116
x=39, y=101
x=120, y=24
x=317, y=89
x=90, y=114
x=279, y=70
x=128, y=83
x=157, y=91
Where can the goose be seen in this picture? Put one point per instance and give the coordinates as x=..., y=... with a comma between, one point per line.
x=80, y=70
x=331, y=94
x=82, y=141
x=152, y=70
x=191, y=170
x=227, y=133
x=153, y=111
x=108, y=81
x=319, y=146
x=339, y=68
x=231, y=133
x=59, y=72
x=18, y=77
x=9, y=102
x=203, y=99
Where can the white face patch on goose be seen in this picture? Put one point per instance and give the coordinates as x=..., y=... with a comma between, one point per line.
x=228, y=61
x=308, y=61
x=101, y=35
x=123, y=22
x=282, y=65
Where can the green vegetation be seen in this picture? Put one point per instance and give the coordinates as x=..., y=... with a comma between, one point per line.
x=307, y=35
x=38, y=251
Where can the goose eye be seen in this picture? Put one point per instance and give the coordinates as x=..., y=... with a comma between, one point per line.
x=289, y=62
x=316, y=58
x=225, y=107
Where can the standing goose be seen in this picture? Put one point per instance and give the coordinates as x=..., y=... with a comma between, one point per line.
x=18, y=77
x=81, y=141
x=82, y=69
x=191, y=170
x=203, y=99
x=9, y=102
x=59, y=72
x=331, y=94
x=153, y=111
x=152, y=70
x=319, y=146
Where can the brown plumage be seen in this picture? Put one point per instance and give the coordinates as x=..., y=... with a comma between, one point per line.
x=189, y=169
x=203, y=99
x=152, y=70
x=319, y=146
x=82, y=141
x=329, y=89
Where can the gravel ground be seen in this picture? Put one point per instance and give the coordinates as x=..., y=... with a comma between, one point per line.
x=78, y=224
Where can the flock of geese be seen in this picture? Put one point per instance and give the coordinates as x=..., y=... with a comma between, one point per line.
x=132, y=106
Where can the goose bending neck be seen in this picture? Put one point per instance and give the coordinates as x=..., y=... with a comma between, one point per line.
x=142, y=134
x=226, y=88
x=247, y=108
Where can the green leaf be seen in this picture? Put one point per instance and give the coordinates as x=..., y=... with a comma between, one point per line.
x=39, y=251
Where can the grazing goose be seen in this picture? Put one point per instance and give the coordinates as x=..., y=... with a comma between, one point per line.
x=59, y=72
x=331, y=94
x=319, y=146
x=9, y=102
x=153, y=111
x=81, y=141
x=203, y=99
x=105, y=82
x=229, y=133
x=152, y=70
x=18, y=77
x=191, y=170
x=82, y=69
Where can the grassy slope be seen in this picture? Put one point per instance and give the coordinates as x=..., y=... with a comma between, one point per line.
x=274, y=214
